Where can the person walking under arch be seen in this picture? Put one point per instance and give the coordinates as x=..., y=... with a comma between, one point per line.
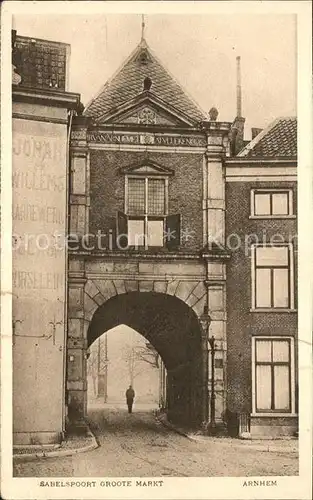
x=130, y=395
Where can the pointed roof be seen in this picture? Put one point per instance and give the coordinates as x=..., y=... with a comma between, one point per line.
x=128, y=82
x=279, y=139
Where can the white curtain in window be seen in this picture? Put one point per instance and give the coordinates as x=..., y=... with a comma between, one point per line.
x=280, y=204
x=136, y=231
x=263, y=387
x=272, y=256
x=262, y=204
x=281, y=387
x=281, y=351
x=263, y=351
x=155, y=233
x=263, y=288
x=281, y=288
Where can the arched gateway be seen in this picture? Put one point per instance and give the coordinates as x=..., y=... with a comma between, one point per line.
x=173, y=329
x=167, y=318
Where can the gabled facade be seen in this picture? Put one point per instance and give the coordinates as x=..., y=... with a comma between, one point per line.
x=147, y=172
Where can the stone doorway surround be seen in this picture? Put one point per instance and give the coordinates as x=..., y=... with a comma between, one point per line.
x=94, y=280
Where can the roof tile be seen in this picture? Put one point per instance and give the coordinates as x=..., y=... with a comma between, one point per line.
x=278, y=140
x=127, y=83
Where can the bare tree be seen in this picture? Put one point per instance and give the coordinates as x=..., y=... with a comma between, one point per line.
x=97, y=361
x=131, y=359
x=148, y=354
x=134, y=354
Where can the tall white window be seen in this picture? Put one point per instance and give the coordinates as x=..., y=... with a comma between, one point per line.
x=145, y=222
x=273, y=375
x=272, y=203
x=146, y=210
x=272, y=277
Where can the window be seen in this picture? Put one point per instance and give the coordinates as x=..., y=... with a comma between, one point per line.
x=273, y=203
x=272, y=277
x=146, y=211
x=273, y=375
x=146, y=222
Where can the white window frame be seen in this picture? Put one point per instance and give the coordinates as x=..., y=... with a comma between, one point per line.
x=146, y=216
x=292, y=412
x=270, y=191
x=291, y=278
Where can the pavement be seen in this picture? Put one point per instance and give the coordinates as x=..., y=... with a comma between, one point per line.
x=70, y=446
x=140, y=445
x=268, y=445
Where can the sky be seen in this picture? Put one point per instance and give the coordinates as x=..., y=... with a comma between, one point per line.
x=199, y=50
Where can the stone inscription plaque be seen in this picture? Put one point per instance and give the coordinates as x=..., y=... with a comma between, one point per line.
x=146, y=138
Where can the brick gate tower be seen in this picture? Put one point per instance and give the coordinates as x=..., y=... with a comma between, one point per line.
x=147, y=174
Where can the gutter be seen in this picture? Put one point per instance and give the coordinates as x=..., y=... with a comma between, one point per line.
x=67, y=215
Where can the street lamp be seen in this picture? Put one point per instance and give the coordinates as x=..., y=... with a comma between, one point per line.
x=205, y=320
x=212, y=425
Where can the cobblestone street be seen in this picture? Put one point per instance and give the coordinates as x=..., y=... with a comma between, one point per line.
x=138, y=445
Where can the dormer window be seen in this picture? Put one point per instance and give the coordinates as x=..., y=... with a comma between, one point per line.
x=146, y=222
x=143, y=58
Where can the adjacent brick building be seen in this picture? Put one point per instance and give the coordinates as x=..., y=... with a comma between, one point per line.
x=261, y=215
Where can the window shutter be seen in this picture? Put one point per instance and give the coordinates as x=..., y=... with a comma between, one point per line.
x=122, y=231
x=172, y=232
x=110, y=240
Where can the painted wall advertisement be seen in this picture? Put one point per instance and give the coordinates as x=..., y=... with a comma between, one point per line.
x=39, y=258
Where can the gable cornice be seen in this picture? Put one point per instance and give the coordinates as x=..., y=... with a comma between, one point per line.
x=147, y=97
x=137, y=169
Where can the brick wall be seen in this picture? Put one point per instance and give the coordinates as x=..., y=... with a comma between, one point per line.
x=185, y=189
x=241, y=323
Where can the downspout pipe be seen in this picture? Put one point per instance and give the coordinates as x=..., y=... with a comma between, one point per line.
x=67, y=219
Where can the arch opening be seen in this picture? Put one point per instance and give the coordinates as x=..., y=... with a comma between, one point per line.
x=117, y=359
x=173, y=329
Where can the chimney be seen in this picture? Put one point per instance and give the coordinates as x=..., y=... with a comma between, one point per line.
x=239, y=103
x=255, y=131
x=237, y=128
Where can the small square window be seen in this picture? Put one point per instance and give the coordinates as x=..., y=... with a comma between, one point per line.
x=271, y=203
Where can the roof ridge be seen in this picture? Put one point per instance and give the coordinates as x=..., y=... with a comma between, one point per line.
x=140, y=45
x=193, y=109
x=185, y=91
